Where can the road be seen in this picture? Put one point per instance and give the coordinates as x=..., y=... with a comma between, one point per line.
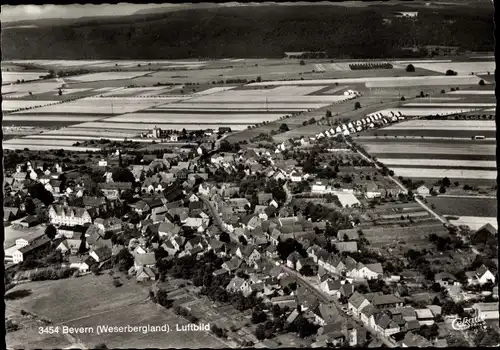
x=325, y=298
x=289, y=195
x=215, y=215
x=400, y=185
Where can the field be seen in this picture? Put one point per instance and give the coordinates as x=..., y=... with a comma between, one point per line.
x=475, y=125
x=462, y=68
x=10, y=105
x=450, y=173
x=403, y=238
x=98, y=105
x=90, y=301
x=472, y=92
x=141, y=127
x=107, y=76
x=12, y=77
x=437, y=162
x=12, y=234
x=21, y=90
x=425, y=146
x=480, y=207
x=475, y=222
x=382, y=81
x=51, y=117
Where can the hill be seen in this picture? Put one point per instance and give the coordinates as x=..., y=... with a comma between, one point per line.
x=265, y=31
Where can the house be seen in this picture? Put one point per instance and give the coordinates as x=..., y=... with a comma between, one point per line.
x=70, y=216
x=367, y=315
x=486, y=311
x=330, y=286
x=264, y=198
x=412, y=340
x=112, y=190
x=356, y=303
x=446, y=279
x=386, y=301
x=425, y=317
x=233, y=264
x=144, y=273
x=238, y=284
x=168, y=229
x=327, y=314
x=249, y=253
x=348, y=235
x=481, y=276
x=147, y=259
x=87, y=264
x=347, y=200
x=292, y=259
x=385, y=325
x=301, y=263
x=346, y=290
x=346, y=246
x=101, y=254
x=109, y=225
x=408, y=314
x=422, y=190
x=10, y=213
x=368, y=271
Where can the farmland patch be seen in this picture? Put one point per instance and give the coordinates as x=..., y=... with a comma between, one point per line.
x=462, y=68
x=475, y=222
x=418, y=147
x=107, y=76
x=450, y=173
x=438, y=162
x=148, y=126
x=464, y=206
x=12, y=77
x=10, y=105
x=445, y=125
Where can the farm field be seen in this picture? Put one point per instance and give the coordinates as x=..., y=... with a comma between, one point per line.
x=141, y=127
x=424, y=111
x=98, y=105
x=437, y=162
x=37, y=87
x=382, y=134
x=449, y=104
x=79, y=303
x=51, y=117
x=10, y=105
x=464, y=206
x=472, y=92
x=414, y=147
x=29, y=145
x=378, y=81
x=444, y=125
x=475, y=222
x=450, y=173
x=106, y=76
x=462, y=68
x=404, y=238
x=64, y=132
x=12, y=77
x=35, y=142
x=192, y=118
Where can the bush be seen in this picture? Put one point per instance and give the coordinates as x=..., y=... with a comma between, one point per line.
x=451, y=72
x=481, y=82
x=410, y=68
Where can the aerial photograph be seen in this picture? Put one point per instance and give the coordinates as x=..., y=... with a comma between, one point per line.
x=250, y=175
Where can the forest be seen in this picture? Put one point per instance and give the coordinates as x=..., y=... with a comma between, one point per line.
x=266, y=32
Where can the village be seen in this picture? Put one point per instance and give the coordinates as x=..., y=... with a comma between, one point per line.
x=292, y=240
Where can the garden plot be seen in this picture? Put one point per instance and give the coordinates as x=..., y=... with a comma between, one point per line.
x=107, y=76
x=12, y=77
x=194, y=118
x=430, y=148
x=32, y=147
x=141, y=127
x=98, y=105
x=10, y=105
x=475, y=222
x=472, y=92
x=462, y=68
x=437, y=162
x=445, y=125
x=450, y=173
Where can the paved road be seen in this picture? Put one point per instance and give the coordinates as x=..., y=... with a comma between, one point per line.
x=215, y=214
x=405, y=190
x=325, y=298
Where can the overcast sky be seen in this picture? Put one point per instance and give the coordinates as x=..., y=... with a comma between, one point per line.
x=30, y=12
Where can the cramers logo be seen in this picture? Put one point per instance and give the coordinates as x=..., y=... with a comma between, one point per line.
x=461, y=324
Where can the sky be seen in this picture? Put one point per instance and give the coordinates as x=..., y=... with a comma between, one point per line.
x=30, y=12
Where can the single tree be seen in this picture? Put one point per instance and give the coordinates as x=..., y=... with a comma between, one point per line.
x=481, y=82
x=302, y=63
x=357, y=105
x=410, y=68
x=51, y=231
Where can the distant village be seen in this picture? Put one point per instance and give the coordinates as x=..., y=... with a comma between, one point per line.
x=278, y=231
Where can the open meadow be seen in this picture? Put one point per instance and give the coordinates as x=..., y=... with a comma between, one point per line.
x=89, y=301
x=464, y=206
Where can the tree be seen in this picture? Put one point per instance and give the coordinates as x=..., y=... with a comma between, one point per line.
x=357, y=105
x=51, y=231
x=259, y=79
x=123, y=175
x=258, y=316
x=422, y=94
x=410, y=68
x=100, y=346
x=284, y=128
x=403, y=98
x=446, y=182
x=481, y=82
x=450, y=72
x=224, y=237
x=162, y=297
x=328, y=114
x=442, y=190
x=260, y=332
x=302, y=63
